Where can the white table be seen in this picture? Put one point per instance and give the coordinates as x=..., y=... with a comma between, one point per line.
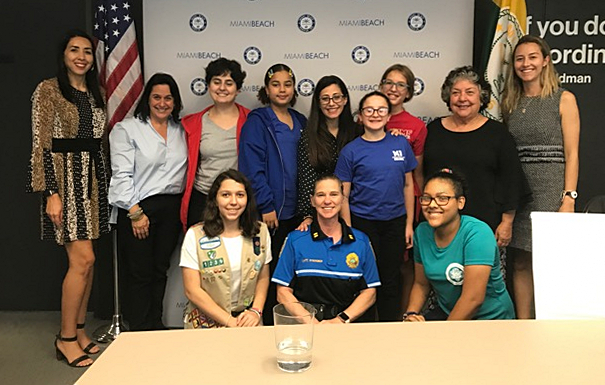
x=471, y=352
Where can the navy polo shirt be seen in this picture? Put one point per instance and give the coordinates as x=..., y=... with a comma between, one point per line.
x=323, y=272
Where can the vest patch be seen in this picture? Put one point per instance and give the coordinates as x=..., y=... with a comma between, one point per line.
x=213, y=263
x=256, y=244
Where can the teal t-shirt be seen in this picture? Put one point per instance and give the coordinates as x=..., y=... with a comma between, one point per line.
x=474, y=244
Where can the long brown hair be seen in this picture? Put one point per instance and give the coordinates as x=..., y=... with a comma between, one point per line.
x=320, y=150
x=549, y=78
x=213, y=222
x=92, y=76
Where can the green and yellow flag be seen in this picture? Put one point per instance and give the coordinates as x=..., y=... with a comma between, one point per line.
x=510, y=26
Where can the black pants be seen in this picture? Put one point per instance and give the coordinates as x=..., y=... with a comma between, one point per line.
x=277, y=241
x=388, y=242
x=197, y=204
x=436, y=314
x=144, y=263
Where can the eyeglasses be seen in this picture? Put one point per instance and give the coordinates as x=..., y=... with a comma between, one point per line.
x=389, y=84
x=337, y=99
x=441, y=200
x=369, y=111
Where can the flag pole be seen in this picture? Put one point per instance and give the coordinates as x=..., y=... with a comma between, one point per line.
x=108, y=333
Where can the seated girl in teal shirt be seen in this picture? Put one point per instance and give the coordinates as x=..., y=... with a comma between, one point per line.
x=457, y=255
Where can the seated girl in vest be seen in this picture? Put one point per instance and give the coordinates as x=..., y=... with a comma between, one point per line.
x=225, y=259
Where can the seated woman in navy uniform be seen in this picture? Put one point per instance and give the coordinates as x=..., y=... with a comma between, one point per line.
x=330, y=265
x=225, y=259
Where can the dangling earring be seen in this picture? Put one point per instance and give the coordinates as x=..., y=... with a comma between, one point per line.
x=92, y=67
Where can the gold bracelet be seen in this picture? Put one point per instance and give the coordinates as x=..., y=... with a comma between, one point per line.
x=137, y=218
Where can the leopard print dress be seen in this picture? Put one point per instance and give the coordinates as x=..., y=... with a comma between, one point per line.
x=68, y=156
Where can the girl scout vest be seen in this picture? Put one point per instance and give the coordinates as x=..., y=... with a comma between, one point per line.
x=215, y=275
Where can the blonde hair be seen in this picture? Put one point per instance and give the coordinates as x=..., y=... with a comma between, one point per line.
x=513, y=90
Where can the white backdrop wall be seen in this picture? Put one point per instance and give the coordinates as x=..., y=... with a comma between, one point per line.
x=354, y=39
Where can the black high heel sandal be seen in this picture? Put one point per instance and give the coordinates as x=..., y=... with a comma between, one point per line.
x=61, y=356
x=91, y=345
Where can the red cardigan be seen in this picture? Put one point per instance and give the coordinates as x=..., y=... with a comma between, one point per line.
x=193, y=132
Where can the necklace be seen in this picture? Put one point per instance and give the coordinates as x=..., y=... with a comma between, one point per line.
x=524, y=108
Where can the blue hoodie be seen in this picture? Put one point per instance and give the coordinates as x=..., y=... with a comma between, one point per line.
x=260, y=159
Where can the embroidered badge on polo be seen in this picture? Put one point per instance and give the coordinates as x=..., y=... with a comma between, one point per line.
x=352, y=260
x=455, y=274
x=209, y=243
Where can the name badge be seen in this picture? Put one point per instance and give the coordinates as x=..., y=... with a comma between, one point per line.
x=209, y=243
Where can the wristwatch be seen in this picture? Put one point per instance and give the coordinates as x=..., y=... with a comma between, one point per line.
x=48, y=193
x=343, y=317
x=571, y=193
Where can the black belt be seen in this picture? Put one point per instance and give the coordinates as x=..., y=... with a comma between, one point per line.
x=90, y=145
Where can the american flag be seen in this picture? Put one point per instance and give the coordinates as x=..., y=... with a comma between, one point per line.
x=117, y=58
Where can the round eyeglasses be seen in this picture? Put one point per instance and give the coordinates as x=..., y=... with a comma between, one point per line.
x=369, y=111
x=441, y=200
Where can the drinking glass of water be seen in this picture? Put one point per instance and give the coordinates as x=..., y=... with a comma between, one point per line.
x=294, y=335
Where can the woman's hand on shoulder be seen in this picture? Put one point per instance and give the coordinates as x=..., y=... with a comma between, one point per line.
x=304, y=225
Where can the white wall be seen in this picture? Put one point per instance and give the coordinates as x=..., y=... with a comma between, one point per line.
x=431, y=37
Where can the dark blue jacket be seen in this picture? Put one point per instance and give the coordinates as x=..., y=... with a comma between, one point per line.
x=261, y=161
